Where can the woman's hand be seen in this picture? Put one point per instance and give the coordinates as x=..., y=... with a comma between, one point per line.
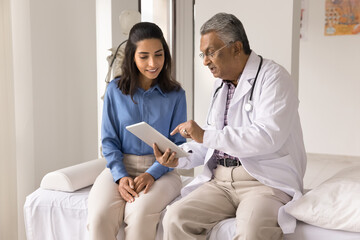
x=144, y=180
x=167, y=159
x=126, y=189
x=190, y=129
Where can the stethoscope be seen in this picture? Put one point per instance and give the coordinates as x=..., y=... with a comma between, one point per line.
x=248, y=106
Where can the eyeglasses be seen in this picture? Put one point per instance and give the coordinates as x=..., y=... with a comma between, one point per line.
x=212, y=54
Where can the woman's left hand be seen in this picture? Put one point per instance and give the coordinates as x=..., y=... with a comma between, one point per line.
x=144, y=180
x=167, y=158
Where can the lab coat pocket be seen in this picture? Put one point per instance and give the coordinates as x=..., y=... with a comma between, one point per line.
x=281, y=171
x=276, y=165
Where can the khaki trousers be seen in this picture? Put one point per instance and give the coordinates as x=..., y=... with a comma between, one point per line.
x=107, y=211
x=232, y=193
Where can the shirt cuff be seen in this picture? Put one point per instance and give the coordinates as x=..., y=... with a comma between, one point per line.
x=157, y=170
x=117, y=173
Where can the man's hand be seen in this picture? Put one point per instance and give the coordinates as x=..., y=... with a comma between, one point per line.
x=190, y=129
x=126, y=189
x=167, y=159
x=144, y=180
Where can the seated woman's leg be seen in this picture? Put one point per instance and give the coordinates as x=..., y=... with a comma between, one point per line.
x=143, y=215
x=105, y=208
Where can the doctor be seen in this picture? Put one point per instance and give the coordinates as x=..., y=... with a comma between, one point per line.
x=251, y=146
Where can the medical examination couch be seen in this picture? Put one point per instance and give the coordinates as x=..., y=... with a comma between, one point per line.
x=328, y=211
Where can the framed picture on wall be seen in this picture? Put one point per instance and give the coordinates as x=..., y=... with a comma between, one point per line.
x=342, y=17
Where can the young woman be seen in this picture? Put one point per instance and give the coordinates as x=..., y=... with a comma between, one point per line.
x=135, y=188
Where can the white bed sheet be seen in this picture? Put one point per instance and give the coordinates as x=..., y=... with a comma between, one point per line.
x=55, y=215
x=226, y=230
x=48, y=213
x=311, y=232
x=62, y=216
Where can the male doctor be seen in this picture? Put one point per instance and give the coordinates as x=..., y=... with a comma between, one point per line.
x=251, y=146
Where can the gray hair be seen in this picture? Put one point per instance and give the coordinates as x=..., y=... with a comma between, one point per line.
x=229, y=29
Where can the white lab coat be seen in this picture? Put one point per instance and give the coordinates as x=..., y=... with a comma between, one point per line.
x=268, y=140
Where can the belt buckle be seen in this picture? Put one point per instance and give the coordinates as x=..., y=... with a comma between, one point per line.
x=228, y=162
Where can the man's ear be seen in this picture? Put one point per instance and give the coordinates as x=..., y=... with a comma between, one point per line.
x=238, y=47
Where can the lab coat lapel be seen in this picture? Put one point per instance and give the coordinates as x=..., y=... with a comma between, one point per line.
x=219, y=107
x=246, y=79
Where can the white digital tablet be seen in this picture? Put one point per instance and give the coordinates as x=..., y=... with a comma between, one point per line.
x=150, y=135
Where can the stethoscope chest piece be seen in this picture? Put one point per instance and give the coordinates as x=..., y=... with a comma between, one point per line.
x=248, y=107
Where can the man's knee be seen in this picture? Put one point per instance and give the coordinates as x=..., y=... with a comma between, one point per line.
x=256, y=232
x=259, y=227
x=172, y=216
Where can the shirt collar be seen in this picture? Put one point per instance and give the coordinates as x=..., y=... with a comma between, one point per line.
x=153, y=88
x=228, y=82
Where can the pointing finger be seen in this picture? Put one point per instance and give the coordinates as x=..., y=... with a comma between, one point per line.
x=176, y=130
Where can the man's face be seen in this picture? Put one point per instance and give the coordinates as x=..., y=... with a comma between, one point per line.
x=218, y=56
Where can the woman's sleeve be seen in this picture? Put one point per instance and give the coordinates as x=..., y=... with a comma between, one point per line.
x=179, y=116
x=110, y=139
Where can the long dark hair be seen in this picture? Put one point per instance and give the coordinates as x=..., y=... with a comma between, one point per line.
x=129, y=80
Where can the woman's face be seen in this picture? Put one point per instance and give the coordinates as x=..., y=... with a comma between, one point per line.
x=149, y=59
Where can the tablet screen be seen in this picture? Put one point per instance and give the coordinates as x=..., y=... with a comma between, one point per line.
x=150, y=135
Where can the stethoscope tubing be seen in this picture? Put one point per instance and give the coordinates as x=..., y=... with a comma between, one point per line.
x=256, y=76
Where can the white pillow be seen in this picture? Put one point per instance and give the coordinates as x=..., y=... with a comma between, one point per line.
x=334, y=204
x=74, y=177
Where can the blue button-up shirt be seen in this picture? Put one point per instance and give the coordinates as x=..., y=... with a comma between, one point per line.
x=163, y=111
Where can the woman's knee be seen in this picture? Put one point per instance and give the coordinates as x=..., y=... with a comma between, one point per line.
x=104, y=216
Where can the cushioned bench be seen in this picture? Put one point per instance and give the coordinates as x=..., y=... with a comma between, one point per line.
x=58, y=209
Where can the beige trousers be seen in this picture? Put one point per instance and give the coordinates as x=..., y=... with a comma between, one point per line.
x=107, y=211
x=232, y=193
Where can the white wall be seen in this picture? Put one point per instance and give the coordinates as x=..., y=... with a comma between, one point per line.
x=329, y=88
x=8, y=206
x=184, y=58
x=49, y=104
x=270, y=32
x=22, y=79
x=161, y=13
x=108, y=36
x=63, y=44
